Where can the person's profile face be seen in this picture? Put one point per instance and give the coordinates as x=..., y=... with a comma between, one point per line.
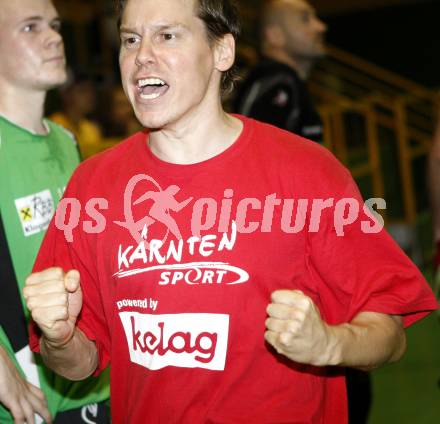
x=31, y=48
x=304, y=31
x=167, y=65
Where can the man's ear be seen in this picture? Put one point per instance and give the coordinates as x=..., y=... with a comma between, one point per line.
x=224, y=55
x=274, y=36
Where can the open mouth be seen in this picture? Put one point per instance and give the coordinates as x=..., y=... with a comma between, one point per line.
x=151, y=88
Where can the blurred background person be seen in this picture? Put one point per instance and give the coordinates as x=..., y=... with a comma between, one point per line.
x=37, y=157
x=79, y=101
x=118, y=120
x=291, y=41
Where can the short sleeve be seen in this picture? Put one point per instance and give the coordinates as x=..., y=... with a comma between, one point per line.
x=358, y=269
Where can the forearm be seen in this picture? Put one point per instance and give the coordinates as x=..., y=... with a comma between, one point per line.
x=75, y=360
x=367, y=342
x=3, y=355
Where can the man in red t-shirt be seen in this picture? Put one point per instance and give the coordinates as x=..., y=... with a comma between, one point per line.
x=246, y=301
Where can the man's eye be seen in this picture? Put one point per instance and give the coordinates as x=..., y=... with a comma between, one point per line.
x=56, y=27
x=129, y=41
x=168, y=36
x=29, y=28
x=306, y=17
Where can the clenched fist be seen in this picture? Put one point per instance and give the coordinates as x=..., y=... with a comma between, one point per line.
x=55, y=300
x=295, y=329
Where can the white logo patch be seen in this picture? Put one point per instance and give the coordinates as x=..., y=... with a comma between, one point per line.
x=180, y=340
x=35, y=212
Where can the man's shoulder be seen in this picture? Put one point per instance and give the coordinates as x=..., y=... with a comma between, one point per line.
x=60, y=130
x=300, y=155
x=269, y=66
x=271, y=72
x=268, y=91
x=287, y=142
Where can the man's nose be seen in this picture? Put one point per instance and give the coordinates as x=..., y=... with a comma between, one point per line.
x=53, y=38
x=320, y=25
x=146, y=54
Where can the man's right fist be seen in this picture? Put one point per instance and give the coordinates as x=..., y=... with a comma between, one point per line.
x=55, y=301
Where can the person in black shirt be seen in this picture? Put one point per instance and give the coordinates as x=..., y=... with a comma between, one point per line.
x=292, y=39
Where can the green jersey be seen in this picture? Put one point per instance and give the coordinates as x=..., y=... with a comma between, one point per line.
x=34, y=170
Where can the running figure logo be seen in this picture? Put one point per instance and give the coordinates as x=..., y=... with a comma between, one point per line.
x=164, y=201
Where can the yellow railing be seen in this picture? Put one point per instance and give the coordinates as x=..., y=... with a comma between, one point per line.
x=369, y=76
x=345, y=85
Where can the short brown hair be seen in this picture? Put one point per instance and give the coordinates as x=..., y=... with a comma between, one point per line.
x=220, y=18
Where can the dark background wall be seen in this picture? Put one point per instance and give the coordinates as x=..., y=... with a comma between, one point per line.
x=403, y=38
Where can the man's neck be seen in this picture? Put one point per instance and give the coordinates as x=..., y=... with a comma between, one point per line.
x=302, y=67
x=23, y=107
x=196, y=138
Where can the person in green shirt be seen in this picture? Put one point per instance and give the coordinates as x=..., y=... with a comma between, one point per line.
x=37, y=158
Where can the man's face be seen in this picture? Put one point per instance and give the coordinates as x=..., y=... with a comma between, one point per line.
x=303, y=30
x=31, y=48
x=168, y=68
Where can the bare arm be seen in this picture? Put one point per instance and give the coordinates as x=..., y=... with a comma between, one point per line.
x=75, y=360
x=55, y=301
x=296, y=330
x=368, y=341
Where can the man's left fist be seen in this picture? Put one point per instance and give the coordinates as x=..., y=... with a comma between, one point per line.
x=295, y=328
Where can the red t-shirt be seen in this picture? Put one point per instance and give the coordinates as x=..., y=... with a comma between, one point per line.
x=176, y=301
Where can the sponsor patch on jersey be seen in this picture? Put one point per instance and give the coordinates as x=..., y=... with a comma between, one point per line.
x=179, y=340
x=35, y=212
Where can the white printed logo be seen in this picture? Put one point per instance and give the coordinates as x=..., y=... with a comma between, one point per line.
x=180, y=340
x=35, y=212
x=92, y=410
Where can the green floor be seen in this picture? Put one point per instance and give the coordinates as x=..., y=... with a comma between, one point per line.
x=408, y=392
